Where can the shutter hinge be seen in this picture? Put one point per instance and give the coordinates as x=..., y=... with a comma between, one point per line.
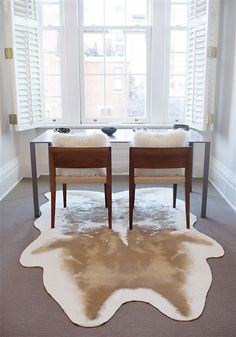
x=8, y=53
x=13, y=119
x=212, y=52
x=209, y=118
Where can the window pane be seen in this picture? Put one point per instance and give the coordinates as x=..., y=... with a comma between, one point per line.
x=51, y=15
x=177, y=86
x=136, y=53
x=176, y=109
x=93, y=12
x=94, y=53
x=178, y=41
x=51, y=63
x=115, y=96
x=50, y=41
x=124, y=55
x=53, y=85
x=180, y=1
x=118, y=82
x=179, y=15
x=51, y=1
x=114, y=12
x=118, y=79
x=94, y=96
x=177, y=64
x=53, y=107
x=136, y=12
x=115, y=50
x=136, y=95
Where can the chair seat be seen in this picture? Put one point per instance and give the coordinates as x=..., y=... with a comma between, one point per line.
x=159, y=180
x=81, y=180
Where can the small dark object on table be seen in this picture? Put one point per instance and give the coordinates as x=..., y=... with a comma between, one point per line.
x=181, y=126
x=62, y=130
x=109, y=130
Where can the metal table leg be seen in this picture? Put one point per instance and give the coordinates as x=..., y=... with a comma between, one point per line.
x=205, y=178
x=34, y=180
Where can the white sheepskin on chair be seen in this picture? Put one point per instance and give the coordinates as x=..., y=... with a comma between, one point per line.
x=76, y=140
x=169, y=138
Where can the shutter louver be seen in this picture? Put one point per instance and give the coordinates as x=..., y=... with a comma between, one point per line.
x=26, y=59
x=200, y=73
x=25, y=9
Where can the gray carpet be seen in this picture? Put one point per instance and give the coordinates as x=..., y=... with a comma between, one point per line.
x=28, y=311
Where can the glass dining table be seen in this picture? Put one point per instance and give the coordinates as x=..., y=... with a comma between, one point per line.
x=120, y=136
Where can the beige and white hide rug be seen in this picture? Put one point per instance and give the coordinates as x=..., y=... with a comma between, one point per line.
x=91, y=270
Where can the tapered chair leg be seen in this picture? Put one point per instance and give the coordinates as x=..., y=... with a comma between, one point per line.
x=174, y=195
x=131, y=204
x=64, y=187
x=187, y=204
x=53, y=203
x=106, y=197
x=133, y=197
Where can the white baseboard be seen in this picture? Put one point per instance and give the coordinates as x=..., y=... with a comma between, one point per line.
x=224, y=181
x=9, y=176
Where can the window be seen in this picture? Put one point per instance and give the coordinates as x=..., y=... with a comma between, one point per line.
x=115, y=52
x=111, y=61
x=178, y=58
x=51, y=50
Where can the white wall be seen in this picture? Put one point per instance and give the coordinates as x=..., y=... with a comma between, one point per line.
x=9, y=159
x=223, y=168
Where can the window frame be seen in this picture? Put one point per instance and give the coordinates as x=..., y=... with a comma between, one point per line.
x=171, y=28
x=105, y=120
x=70, y=98
x=59, y=30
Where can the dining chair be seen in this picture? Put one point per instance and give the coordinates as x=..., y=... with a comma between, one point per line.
x=80, y=165
x=160, y=165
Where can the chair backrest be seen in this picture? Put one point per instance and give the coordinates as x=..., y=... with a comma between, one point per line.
x=80, y=140
x=156, y=140
x=76, y=157
x=160, y=158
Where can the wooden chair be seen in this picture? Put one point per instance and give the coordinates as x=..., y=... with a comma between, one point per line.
x=80, y=157
x=160, y=158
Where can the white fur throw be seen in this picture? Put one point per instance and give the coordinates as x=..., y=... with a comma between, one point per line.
x=169, y=138
x=93, y=140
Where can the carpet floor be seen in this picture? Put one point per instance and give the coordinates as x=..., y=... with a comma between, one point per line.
x=26, y=310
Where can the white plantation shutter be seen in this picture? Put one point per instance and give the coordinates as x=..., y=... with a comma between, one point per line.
x=200, y=89
x=25, y=9
x=24, y=68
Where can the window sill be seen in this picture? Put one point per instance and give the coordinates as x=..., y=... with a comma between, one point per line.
x=98, y=126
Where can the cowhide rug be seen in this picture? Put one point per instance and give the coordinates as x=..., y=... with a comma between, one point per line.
x=91, y=270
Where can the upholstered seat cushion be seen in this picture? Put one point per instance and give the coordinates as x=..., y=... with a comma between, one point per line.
x=168, y=138
x=79, y=140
